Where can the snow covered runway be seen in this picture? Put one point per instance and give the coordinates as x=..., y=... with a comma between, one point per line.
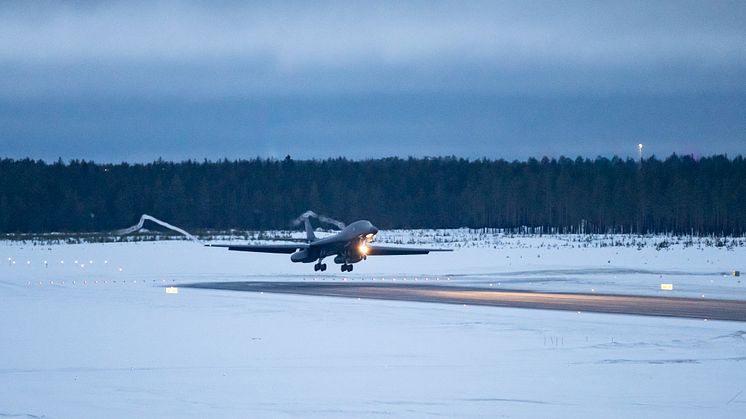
x=597, y=303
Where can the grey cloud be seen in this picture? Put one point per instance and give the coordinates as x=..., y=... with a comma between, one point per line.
x=135, y=81
x=310, y=33
x=310, y=47
x=206, y=80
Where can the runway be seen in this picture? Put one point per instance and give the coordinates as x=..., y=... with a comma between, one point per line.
x=709, y=309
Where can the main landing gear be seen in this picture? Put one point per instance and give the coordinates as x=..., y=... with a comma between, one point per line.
x=347, y=267
x=319, y=267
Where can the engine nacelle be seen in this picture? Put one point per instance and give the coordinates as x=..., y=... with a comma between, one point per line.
x=303, y=256
x=340, y=259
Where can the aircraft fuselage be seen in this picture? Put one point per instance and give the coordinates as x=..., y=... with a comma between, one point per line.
x=347, y=246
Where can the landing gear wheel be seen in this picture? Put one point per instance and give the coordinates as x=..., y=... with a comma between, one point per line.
x=349, y=268
x=319, y=266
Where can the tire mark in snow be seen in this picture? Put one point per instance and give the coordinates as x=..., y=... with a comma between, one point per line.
x=734, y=397
x=527, y=401
x=667, y=361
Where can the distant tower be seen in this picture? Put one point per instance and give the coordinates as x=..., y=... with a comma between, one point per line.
x=639, y=151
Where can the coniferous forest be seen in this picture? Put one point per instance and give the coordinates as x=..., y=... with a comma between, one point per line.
x=680, y=195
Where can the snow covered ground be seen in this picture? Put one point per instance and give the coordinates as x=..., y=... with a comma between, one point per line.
x=87, y=331
x=563, y=263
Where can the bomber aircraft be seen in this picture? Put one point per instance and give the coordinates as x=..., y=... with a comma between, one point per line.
x=351, y=245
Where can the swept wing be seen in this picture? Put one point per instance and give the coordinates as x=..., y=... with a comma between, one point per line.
x=396, y=250
x=264, y=248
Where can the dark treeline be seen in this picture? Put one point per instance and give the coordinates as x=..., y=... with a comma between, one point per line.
x=678, y=194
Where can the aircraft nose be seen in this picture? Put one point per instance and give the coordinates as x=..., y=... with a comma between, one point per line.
x=373, y=229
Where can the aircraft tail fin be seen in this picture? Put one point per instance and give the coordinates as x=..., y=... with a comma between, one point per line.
x=309, y=230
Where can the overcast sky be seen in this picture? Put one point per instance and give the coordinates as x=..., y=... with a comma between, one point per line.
x=128, y=81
